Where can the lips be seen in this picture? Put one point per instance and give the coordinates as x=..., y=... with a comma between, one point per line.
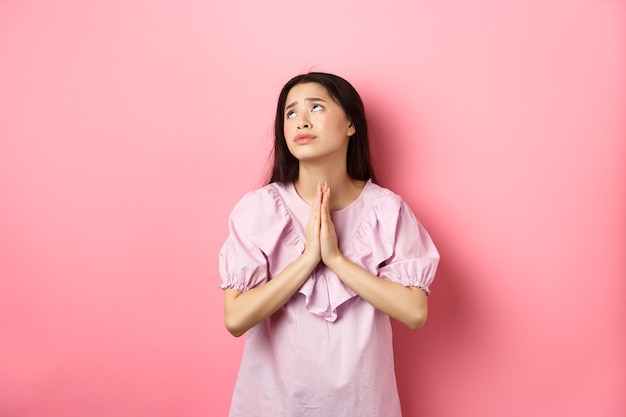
x=303, y=138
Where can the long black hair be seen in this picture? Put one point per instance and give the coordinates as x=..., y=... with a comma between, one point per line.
x=358, y=160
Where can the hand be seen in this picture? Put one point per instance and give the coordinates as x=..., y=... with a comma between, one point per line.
x=313, y=249
x=329, y=246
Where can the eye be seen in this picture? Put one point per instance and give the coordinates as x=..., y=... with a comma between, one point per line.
x=317, y=107
x=290, y=114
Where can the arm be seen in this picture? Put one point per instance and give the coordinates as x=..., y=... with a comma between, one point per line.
x=405, y=304
x=244, y=310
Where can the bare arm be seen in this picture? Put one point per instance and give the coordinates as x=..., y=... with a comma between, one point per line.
x=244, y=310
x=405, y=304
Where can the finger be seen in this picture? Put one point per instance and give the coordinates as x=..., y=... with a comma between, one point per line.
x=326, y=219
x=317, y=211
x=326, y=196
x=314, y=219
x=317, y=216
x=313, y=211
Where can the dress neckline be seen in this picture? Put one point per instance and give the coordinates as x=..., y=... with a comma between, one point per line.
x=300, y=200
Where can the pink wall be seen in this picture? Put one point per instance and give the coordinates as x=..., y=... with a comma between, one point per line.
x=128, y=129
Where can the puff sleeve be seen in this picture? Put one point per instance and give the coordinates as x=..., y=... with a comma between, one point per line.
x=262, y=241
x=242, y=264
x=414, y=258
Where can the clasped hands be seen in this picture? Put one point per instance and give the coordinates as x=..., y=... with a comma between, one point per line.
x=321, y=237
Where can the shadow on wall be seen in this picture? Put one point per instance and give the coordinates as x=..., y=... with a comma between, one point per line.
x=419, y=355
x=385, y=136
x=452, y=322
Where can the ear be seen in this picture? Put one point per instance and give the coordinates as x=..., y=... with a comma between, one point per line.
x=351, y=130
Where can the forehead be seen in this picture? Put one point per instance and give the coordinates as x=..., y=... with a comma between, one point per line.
x=307, y=90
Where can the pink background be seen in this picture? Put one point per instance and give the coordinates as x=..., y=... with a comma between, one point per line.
x=129, y=129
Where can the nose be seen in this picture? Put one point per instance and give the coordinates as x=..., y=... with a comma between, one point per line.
x=304, y=123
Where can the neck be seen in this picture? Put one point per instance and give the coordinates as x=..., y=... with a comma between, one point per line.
x=344, y=190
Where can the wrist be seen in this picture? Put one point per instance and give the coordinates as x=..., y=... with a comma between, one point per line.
x=310, y=258
x=335, y=263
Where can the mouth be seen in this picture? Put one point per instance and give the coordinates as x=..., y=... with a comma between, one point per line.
x=303, y=138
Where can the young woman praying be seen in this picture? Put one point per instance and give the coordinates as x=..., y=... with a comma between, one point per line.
x=317, y=261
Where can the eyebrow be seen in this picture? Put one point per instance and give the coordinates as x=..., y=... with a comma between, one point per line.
x=313, y=99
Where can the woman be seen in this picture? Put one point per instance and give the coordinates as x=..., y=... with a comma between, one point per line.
x=317, y=261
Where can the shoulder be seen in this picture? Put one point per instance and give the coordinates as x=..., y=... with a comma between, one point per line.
x=382, y=198
x=376, y=236
x=259, y=213
x=261, y=198
x=258, y=204
x=388, y=210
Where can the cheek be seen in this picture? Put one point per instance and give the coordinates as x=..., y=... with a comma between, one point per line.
x=289, y=126
x=286, y=130
x=288, y=133
x=338, y=123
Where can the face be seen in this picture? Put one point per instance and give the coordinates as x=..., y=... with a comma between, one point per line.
x=315, y=125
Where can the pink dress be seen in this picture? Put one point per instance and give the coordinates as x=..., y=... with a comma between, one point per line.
x=326, y=352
